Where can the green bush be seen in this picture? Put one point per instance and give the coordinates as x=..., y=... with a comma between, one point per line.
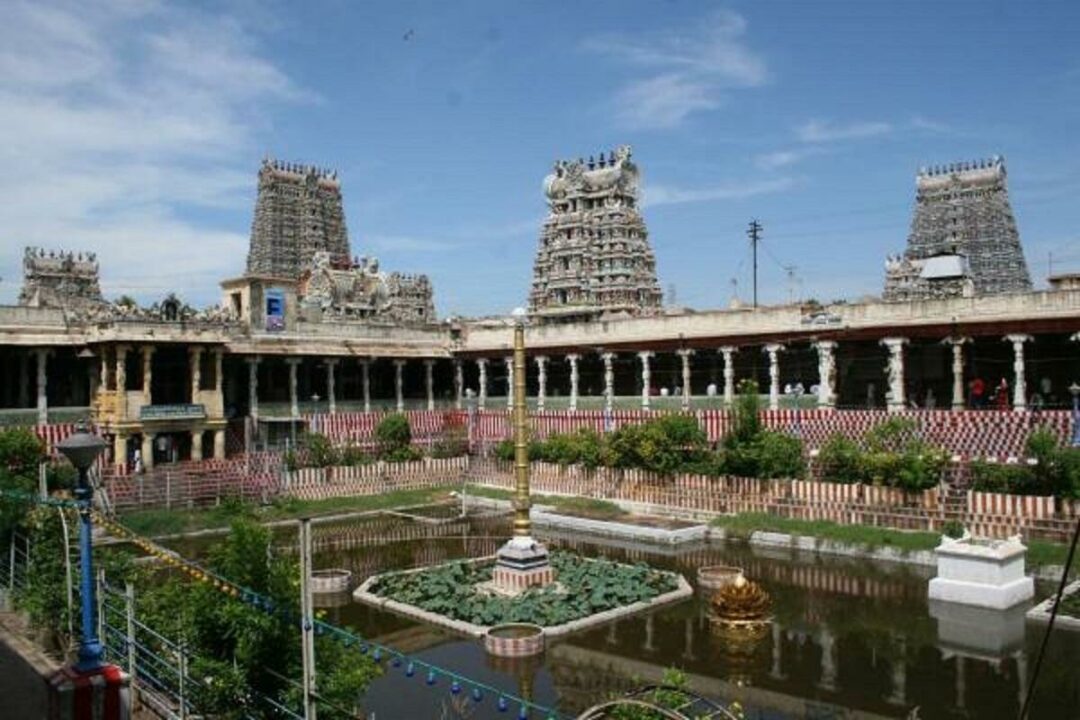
x=953, y=529
x=505, y=451
x=353, y=455
x=779, y=456
x=392, y=435
x=320, y=451
x=895, y=435
x=453, y=442
x=840, y=460
x=1056, y=470
x=746, y=415
x=666, y=445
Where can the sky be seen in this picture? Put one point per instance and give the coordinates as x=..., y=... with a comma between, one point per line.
x=135, y=130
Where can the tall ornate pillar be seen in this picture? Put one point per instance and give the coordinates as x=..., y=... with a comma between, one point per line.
x=121, y=387
x=646, y=377
x=195, y=356
x=573, y=360
x=541, y=381
x=331, y=385
x=773, y=351
x=957, y=344
x=120, y=450
x=509, y=361
x=609, y=380
x=481, y=396
x=219, y=444
x=1019, y=380
x=826, y=373
x=253, y=385
x=294, y=399
x=219, y=380
x=459, y=383
x=728, y=351
x=103, y=381
x=42, y=385
x=685, y=354
x=365, y=383
x=399, y=385
x=147, y=375
x=896, y=395
x=429, y=382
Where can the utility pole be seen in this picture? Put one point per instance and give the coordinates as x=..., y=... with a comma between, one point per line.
x=307, y=620
x=755, y=235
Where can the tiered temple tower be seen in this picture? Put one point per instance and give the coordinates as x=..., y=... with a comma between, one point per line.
x=594, y=257
x=298, y=213
x=963, y=237
x=65, y=279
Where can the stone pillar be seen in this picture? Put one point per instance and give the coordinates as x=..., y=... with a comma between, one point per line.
x=219, y=378
x=399, y=385
x=509, y=361
x=773, y=350
x=685, y=354
x=828, y=660
x=147, y=375
x=429, y=382
x=1019, y=381
x=120, y=450
x=459, y=383
x=646, y=377
x=196, y=445
x=253, y=385
x=92, y=375
x=826, y=373
x=104, y=380
x=294, y=400
x=148, y=450
x=121, y=382
x=573, y=360
x=219, y=444
x=609, y=380
x=331, y=387
x=365, y=383
x=541, y=381
x=896, y=400
x=481, y=395
x=728, y=351
x=195, y=355
x=42, y=386
x=957, y=344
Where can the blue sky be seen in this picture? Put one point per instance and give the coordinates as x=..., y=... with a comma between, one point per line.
x=136, y=129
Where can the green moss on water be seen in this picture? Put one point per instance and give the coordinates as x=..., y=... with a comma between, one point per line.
x=585, y=587
x=173, y=522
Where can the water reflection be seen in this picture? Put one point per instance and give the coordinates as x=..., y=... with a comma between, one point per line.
x=849, y=639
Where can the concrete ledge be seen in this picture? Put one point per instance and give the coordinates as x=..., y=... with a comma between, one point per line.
x=1000, y=597
x=1041, y=612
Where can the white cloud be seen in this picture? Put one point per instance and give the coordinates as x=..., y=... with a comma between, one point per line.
x=818, y=131
x=654, y=195
x=687, y=73
x=120, y=118
x=785, y=158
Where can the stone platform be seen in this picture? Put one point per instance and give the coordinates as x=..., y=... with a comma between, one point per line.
x=982, y=573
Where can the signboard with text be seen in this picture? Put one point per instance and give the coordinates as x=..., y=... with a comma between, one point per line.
x=275, y=310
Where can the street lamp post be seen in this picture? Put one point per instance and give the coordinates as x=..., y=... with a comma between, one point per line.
x=81, y=449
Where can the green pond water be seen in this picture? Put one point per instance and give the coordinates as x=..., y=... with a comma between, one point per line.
x=850, y=639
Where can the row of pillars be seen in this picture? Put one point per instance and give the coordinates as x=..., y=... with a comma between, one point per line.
x=826, y=386
x=330, y=365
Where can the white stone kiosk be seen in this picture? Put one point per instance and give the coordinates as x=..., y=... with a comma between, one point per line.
x=981, y=572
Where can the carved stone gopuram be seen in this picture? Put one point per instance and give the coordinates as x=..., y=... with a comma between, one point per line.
x=298, y=213
x=60, y=279
x=594, y=257
x=963, y=239
x=360, y=290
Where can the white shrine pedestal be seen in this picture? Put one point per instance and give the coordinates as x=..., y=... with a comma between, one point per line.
x=981, y=572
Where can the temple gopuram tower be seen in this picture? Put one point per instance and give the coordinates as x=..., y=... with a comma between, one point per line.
x=297, y=214
x=594, y=258
x=963, y=239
